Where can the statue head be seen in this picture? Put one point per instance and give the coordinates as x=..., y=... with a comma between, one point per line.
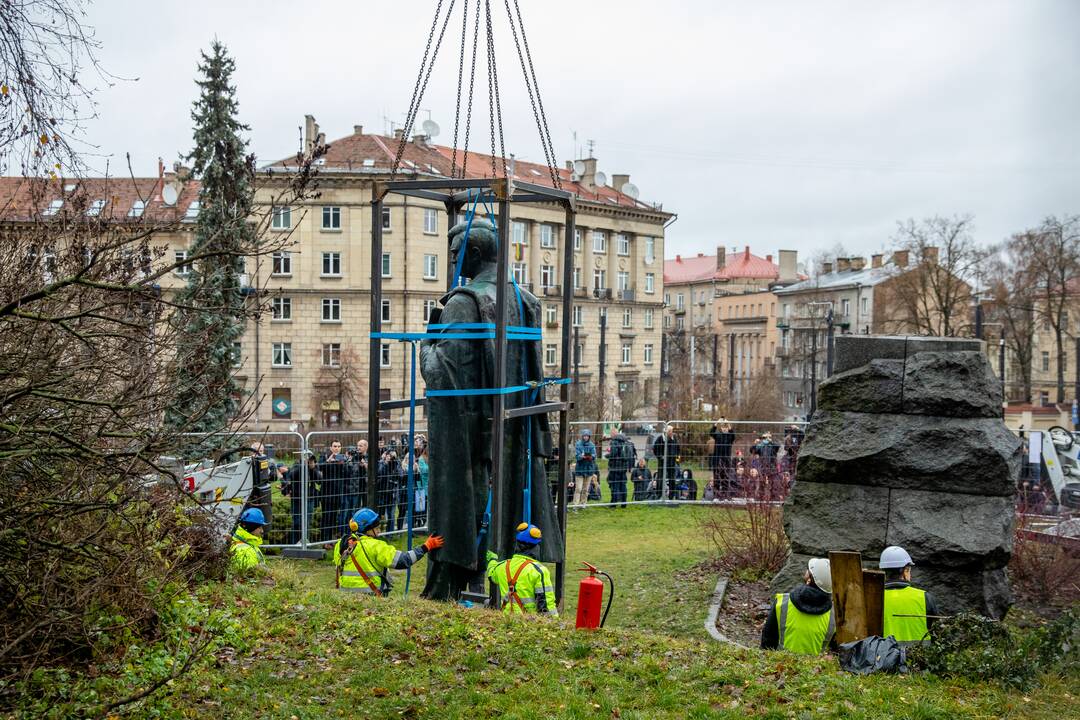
x=481, y=250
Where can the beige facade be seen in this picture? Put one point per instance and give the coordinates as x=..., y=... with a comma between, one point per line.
x=748, y=333
x=314, y=330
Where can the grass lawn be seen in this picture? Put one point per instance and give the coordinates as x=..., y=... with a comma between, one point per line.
x=297, y=648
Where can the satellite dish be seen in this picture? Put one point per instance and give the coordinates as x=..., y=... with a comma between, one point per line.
x=169, y=194
x=601, y=179
x=579, y=167
x=631, y=190
x=431, y=128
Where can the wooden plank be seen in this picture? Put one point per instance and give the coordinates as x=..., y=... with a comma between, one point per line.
x=873, y=585
x=848, y=605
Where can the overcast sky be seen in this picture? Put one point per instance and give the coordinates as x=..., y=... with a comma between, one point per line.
x=771, y=124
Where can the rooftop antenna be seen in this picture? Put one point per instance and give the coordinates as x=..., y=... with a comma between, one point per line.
x=591, y=144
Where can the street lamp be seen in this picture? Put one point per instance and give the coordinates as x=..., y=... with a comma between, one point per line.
x=813, y=350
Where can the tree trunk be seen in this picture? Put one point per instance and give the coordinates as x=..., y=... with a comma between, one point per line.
x=1060, y=364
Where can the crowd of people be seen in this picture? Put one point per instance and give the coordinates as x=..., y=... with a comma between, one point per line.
x=338, y=483
x=753, y=465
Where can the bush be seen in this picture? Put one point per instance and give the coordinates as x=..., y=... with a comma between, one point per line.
x=973, y=647
x=750, y=539
x=1045, y=573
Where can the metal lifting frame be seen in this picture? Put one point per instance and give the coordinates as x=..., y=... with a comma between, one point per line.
x=454, y=193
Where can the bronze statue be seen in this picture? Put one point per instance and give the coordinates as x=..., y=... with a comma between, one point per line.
x=459, y=427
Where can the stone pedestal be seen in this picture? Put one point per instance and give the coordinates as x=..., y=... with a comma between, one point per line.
x=908, y=448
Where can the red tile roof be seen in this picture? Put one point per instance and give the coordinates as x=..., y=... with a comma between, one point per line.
x=25, y=199
x=375, y=153
x=737, y=266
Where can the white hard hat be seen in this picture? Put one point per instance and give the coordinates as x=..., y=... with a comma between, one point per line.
x=820, y=573
x=894, y=556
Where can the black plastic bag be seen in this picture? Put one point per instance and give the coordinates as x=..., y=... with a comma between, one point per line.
x=873, y=654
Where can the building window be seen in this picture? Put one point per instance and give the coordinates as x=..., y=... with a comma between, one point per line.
x=547, y=236
x=95, y=208
x=622, y=241
x=599, y=241
x=579, y=353
x=182, y=267
x=282, y=355
x=331, y=354
x=137, y=209
x=386, y=219
x=679, y=323
x=550, y=315
x=429, y=305
x=627, y=351
x=331, y=264
x=650, y=249
x=281, y=403
x=1045, y=360
x=680, y=301
x=648, y=318
x=845, y=308
x=520, y=235
x=602, y=314
x=54, y=207
x=192, y=213
x=281, y=309
x=647, y=355
x=281, y=219
x=331, y=218
x=431, y=267
x=521, y=273
x=864, y=306
x=667, y=321
x=622, y=280
x=387, y=265
x=578, y=316
x=627, y=317
x=549, y=355
x=650, y=283
x=431, y=221
x=667, y=298
x=237, y=354
x=386, y=314
x=331, y=310
x=577, y=239
x=599, y=279
x=577, y=277
x=384, y=355
x=547, y=276
x=281, y=263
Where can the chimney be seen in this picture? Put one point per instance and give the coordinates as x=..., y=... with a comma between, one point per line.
x=721, y=257
x=826, y=268
x=930, y=254
x=588, y=178
x=398, y=132
x=875, y=261
x=843, y=264
x=420, y=139
x=858, y=263
x=678, y=258
x=900, y=258
x=789, y=266
x=768, y=258
x=311, y=133
x=701, y=254
x=357, y=129
x=617, y=181
x=746, y=254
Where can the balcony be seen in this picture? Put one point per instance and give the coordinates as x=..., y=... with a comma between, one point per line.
x=680, y=310
x=581, y=292
x=626, y=295
x=551, y=323
x=602, y=293
x=550, y=290
x=783, y=323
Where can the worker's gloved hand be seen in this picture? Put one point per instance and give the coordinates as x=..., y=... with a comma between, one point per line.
x=491, y=556
x=433, y=543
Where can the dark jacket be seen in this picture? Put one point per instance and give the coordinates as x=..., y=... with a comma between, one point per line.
x=722, y=444
x=640, y=476
x=809, y=599
x=667, y=454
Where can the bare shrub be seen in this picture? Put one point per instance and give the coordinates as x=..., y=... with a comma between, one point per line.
x=749, y=538
x=1044, y=571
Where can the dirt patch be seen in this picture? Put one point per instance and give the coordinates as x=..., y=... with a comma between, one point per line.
x=745, y=607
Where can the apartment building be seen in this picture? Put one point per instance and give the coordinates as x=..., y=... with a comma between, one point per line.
x=317, y=332
x=748, y=336
x=692, y=283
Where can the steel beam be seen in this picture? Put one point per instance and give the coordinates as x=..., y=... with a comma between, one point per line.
x=564, y=390
x=541, y=409
x=498, y=521
x=399, y=404
x=374, y=348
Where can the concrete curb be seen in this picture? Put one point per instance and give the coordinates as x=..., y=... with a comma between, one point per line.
x=714, y=612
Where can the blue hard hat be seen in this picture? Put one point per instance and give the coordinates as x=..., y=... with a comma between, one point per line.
x=364, y=519
x=528, y=534
x=253, y=515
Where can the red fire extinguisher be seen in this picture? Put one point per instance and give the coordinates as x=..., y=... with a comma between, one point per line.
x=590, y=596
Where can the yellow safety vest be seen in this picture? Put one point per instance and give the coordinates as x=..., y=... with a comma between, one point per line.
x=520, y=580
x=372, y=555
x=905, y=601
x=244, y=549
x=801, y=632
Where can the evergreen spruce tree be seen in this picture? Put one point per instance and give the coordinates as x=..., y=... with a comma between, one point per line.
x=212, y=318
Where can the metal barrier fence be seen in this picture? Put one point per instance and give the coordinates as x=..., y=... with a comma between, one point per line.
x=321, y=478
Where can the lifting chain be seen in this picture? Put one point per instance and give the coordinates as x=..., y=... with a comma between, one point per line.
x=545, y=133
x=549, y=158
x=460, y=73
x=472, y=80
